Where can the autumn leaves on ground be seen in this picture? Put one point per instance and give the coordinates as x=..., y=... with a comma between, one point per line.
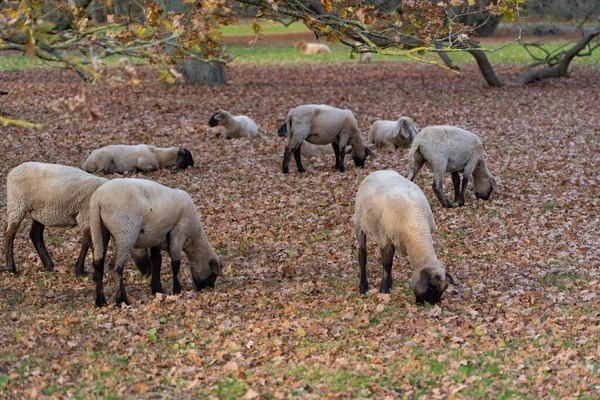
x=287, y=318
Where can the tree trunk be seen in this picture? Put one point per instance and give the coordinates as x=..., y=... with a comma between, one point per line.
x=486, y=67
x=560, y=69
x=195, y=71
x=205, y=72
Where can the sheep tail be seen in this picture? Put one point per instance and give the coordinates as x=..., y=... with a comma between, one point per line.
x=96, y=229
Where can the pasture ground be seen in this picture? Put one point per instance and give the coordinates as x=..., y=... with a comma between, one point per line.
x=287, y=319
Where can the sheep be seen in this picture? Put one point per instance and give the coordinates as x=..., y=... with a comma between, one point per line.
x=398, y=133
x=139, y=213
x=365, y=58
x=322, y=124
x=123, y=158
x=450, y=149
x=395, y=214
x=236, y=126
x=312, y=48
x=53, y=195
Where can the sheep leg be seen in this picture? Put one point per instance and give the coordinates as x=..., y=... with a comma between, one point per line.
x=415, y=163
x=99, y=271
x=298, y=158
x=438, y=188
x=463, y=192
x=387, y=258
x=123, y=250
x=340, y=163
x=155, y=264
x=175, y=265
x=85, y=246
x=37, y=238
x=456, y=183
x=9, y=240
x=287, y=157
x=362, y=261
x=122, y=294
x=336, y=150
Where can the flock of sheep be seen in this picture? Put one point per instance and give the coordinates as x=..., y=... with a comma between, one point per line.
x=144, y=217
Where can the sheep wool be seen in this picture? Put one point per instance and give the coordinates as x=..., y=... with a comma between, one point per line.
x=395, y=214
x=450, y=149
x=123, y=158
x=322, y=124
x=139, y=213
x=236, y=127
x=312, y=48
x=52, y=195
x=395, y=134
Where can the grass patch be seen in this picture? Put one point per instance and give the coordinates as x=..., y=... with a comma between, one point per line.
x=246, y=28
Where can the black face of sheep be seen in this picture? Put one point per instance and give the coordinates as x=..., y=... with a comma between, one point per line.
x=216, y=269
x=214, y=120
x=184, y=159
x=282, y=131
x=484, y=191
x=430, y=289
x=359, y=159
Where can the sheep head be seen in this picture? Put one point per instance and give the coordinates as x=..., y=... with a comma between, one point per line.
x=405, y=131
x=300, y=44
x=360, y=153
x=216, y=119
x=215, y=269
x=282, y=131
x=431, y=284
x=483, y=188
x=184, y=159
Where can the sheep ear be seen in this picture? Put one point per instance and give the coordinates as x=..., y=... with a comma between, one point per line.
x=494, y=184
x=215, y=267
x=369, y=152
x=217, y=116
x=396, y=131
x=423, y=283
x=451, y=279
x=415, y=129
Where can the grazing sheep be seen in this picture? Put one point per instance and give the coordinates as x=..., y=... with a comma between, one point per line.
x=395, y=214
x=398, y=133
x=322, y=124
x=312, y=48
x=236, y=127
x=365, y=58
x=53, y=195
x=451, y=149
x=139, y=213
x=122, y=158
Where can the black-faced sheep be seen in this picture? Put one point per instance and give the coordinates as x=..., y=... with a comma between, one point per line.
x=312, y=48
x=122, y=158
x=451, y=149
x=322, y=125
x=395, y=214
x=139, y=213
x=235, y=126
x=397, y=134
x=53, y=195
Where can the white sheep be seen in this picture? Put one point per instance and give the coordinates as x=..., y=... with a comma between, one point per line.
x=235, y=126
x=312, y=48
x=365, y=58
x=451, y=149
x=397, y=134
x=139, y=213
x=122, y=158
x=322, y=125
x=53, y=195
x=395, y=214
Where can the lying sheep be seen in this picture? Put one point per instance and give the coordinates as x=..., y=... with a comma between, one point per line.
x=122, y=158
x=398, y=133
x=322, y=124
x=235, y=126
x=312, y=48
x=454, y=150
x=395, y=214
x=53, y=195
x=139, y=213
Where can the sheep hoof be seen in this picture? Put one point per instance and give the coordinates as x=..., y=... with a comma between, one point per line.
x=301, y=170
x=50, y=267
x=100, y=300
x=285, y=170
x=80, y=274
x=364, y=288
x=461, y=204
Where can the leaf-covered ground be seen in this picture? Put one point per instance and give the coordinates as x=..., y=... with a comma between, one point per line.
x=287, y=319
